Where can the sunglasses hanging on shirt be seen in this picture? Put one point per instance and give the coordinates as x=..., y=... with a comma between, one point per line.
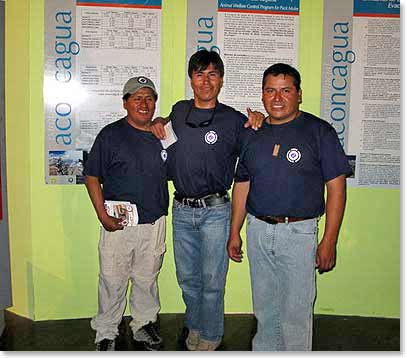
x=202, y=124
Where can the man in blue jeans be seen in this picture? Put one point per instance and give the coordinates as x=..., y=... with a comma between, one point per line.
x=280, y=182
x=201, y=165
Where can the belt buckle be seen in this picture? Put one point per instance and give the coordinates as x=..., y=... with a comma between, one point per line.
x=202, y=203
x=193, y=202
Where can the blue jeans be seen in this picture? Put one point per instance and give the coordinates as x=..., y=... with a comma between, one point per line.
x=282, y=271
x=201, y=260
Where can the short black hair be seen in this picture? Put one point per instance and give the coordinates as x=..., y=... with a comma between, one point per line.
x=201, y=59
x=283, y=69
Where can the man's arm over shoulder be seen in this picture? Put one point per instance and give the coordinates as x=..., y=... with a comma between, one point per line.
x=255, y=119
x=158, y=123
x=157, y=127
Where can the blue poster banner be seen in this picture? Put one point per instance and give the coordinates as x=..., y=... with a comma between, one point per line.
x=121, y=3
x=381, y=8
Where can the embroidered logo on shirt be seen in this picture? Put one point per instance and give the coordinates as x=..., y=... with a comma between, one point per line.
x=293, y=155
x=164, y=155
x=211, y=137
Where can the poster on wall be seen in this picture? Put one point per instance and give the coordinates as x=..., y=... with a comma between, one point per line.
x=250, y=35
x=91, y=49
x=361, y=86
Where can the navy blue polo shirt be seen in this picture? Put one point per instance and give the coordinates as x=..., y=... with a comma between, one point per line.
x=131, y=164
x=289, y=180
x=203, y=159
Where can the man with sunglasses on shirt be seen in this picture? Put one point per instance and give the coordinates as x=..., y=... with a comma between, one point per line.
x=201, y=165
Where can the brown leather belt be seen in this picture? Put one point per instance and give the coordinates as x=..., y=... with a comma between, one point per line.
x=205, y=201
x=273, y=220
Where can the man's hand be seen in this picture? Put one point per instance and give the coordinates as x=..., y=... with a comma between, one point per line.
x=326, y=255
x=235, y=248
x=111, y=223
x=335, y=206
x=255, y=119
x=157, y=127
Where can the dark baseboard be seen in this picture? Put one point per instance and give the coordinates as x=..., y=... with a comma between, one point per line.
x=331, y=333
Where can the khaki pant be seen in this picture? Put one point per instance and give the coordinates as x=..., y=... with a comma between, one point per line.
x=134, y=253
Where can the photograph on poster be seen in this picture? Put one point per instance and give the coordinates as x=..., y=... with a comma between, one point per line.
x=66, y=163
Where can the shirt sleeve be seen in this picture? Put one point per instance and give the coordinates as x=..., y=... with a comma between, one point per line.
x=241, y=132
x=333, y=158
x=96, y=164
x=242, y=173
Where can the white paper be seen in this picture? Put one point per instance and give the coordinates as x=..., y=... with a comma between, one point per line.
x=251, y=42
x=171, y=137
x=375, y=110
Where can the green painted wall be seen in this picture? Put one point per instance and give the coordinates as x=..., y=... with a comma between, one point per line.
x=54, y=231
x=17, y=112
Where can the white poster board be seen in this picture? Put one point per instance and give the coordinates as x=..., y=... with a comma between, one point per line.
x=91, y=49
x=249, y=35
x=361, y=86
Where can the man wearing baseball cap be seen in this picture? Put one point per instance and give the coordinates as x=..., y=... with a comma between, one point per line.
x=127, y=163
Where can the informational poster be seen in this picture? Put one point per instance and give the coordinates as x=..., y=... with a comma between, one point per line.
x=91, y=49
x=250, y=36
x=361, y=86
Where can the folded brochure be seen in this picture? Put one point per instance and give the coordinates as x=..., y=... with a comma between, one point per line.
x=123, y=210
